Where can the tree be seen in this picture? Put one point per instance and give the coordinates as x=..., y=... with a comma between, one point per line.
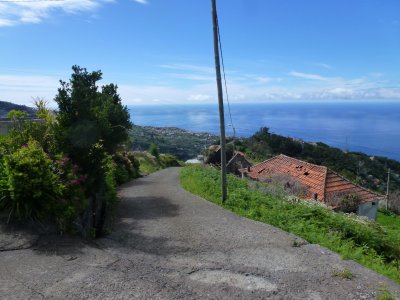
x=92, y=124
x=16, y=117
x=88, y=116
x=153, y=150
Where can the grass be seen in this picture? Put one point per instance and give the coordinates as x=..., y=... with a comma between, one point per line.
x=345, y=274
x=150, y=164
x=353, y=238
x=391, y=223
x=384, y=294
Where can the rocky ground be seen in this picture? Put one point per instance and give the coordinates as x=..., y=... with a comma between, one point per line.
x=169, y=244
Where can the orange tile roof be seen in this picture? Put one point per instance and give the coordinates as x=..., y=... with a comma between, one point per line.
x=317, y=179
x=338, y=184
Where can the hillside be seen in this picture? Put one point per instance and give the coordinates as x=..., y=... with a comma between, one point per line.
x=179, y=142
x=5, y=107
x=368, y=171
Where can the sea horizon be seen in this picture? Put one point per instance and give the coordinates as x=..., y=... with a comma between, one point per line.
x=371, y=127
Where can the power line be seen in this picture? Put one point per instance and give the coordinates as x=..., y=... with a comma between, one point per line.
x=223, y=71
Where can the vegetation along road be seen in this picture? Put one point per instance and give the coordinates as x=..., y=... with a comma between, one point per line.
x=169, y=244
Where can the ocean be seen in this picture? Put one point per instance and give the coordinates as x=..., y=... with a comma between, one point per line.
x=369, y=127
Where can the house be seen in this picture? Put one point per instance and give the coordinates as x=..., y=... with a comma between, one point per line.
x=6, y=124
x=235, y=160
x=321, y=183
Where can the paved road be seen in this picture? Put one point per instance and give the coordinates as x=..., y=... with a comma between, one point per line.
x=169, y=244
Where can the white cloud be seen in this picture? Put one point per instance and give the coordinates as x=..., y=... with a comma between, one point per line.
x=264, y=79
x=308, y=76
x=195, y=77
x=189, y=68
x=190, y=72
x=323, y=65
x=32, y=12
x=199, y=97
x=22, y=89
x=376, y=74
x=141, y=1
x=201, y=87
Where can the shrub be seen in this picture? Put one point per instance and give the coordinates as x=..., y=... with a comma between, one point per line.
x=34, y=189
x=346, y=202
x=126, y=167
x=109, y=182
x=153, y=150
x=134, y=171
x=73, y=201
x=288, y=184
x=168, y=160
x=32, y=185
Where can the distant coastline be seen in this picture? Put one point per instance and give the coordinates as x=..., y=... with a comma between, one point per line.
x=369, y=127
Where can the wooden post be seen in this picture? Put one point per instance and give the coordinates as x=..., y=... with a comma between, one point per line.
x=220, y=102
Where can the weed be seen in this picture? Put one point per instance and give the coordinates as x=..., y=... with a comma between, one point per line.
x=384, y=294
x=345, y=274
x=298, y=243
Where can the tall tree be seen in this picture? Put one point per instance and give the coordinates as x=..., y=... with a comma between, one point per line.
x=88, y=116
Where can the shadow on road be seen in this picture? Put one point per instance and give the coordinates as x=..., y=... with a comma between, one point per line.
x=139, y=208
x=129, y=233
x=41, y=237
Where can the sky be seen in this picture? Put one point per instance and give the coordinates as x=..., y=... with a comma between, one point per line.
x=161, y=51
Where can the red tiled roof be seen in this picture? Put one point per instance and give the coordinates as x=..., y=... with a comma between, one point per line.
x=338, y=184
x=317, y=179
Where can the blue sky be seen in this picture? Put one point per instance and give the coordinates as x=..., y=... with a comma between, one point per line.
x=161, y=51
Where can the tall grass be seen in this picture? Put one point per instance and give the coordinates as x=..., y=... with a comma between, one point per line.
x=353, y=238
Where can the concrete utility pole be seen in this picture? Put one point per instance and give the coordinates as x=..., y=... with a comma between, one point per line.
x=387, y=190
x=220, y=101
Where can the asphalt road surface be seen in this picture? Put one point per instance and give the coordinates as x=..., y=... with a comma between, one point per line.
x=169, y=244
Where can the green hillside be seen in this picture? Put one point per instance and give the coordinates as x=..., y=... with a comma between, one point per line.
x=5, y=107
x=366, y=170
x=181, y=143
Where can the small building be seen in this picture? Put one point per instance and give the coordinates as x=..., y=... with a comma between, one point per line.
x=321, y=183
x=235, y=160
x=6, y=124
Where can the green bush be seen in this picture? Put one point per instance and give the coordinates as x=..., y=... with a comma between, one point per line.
x=148, y=163
x=34, y=189
x=126, y=167
x=109, y=182
x=153, y=150
x=135, y=165
x=168, y=160
x=73, y=201
x=32, y=185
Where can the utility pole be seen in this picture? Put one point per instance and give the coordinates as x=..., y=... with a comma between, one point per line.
x=387, y=189
x=220, y=101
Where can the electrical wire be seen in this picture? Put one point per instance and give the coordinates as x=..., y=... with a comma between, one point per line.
x=226, y=88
